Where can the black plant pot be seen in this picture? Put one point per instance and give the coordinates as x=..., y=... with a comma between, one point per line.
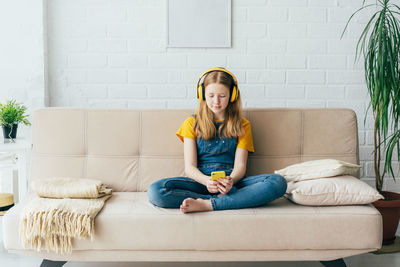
x=10, y=132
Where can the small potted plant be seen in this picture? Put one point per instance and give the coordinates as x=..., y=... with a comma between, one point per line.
x=11, y=114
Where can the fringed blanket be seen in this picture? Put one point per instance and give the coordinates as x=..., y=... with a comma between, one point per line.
x=65, y=209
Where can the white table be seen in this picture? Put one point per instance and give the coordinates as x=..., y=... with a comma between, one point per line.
x=20, y=149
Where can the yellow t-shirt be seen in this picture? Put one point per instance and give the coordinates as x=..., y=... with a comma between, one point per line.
x=245, y=141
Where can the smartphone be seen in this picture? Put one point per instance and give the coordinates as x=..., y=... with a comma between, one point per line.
x=218, y=174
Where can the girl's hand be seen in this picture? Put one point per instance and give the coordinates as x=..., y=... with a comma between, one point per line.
x=225, y=185
x=212, y=186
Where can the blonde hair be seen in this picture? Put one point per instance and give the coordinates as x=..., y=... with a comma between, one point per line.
x=232, y=126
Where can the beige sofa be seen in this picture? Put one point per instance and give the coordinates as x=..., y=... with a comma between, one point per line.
x=130, y=149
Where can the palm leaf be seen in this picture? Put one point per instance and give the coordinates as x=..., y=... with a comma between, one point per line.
x=379, y=43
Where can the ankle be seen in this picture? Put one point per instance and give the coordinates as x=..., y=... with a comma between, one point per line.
x=207, y=204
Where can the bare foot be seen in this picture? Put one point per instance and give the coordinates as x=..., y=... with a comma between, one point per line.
x=190, y=205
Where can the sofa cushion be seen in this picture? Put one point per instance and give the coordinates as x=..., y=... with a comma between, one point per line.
x=315, y=169
x=339, y=190
x=81, y=142
x=129, y=222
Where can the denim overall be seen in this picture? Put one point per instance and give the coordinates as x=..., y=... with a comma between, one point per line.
x=217, y=154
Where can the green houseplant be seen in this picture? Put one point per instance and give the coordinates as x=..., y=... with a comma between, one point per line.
x=380, y=45
x=11, y=114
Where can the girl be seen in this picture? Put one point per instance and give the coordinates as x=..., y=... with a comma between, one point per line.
x=216, y=138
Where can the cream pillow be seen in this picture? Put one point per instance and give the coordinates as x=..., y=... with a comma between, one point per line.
x=315, y=169
x=340, y=190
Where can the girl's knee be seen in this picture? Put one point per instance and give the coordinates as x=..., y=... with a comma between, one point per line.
x=280, y=184
x=155, y=186
x=151, y=191
x=278, y=178
x=158, y=192
x=154, y=193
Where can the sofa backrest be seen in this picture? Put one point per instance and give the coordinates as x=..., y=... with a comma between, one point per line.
x=130, y=149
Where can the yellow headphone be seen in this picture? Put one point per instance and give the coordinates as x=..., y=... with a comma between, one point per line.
x=201, y=89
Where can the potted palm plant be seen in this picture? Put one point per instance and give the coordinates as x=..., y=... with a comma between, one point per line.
x=11, y=114
x=380, y=45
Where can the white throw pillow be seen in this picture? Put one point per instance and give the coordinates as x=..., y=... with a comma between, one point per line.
x=315, y=169
x=340, y=190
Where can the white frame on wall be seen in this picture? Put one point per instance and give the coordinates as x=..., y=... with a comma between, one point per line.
x=199, y=23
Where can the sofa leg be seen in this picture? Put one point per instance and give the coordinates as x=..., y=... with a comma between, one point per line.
x=49, y=263
x=335, y=263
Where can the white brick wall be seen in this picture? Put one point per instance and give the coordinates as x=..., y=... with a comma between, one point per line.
x=22, y=63
x=285, y=54
x=22, y=56
x=113, y=53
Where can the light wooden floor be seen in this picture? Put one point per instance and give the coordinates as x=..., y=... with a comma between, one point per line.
x=365, y=260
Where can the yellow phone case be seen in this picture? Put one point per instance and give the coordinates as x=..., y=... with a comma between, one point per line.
x=218, y=174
